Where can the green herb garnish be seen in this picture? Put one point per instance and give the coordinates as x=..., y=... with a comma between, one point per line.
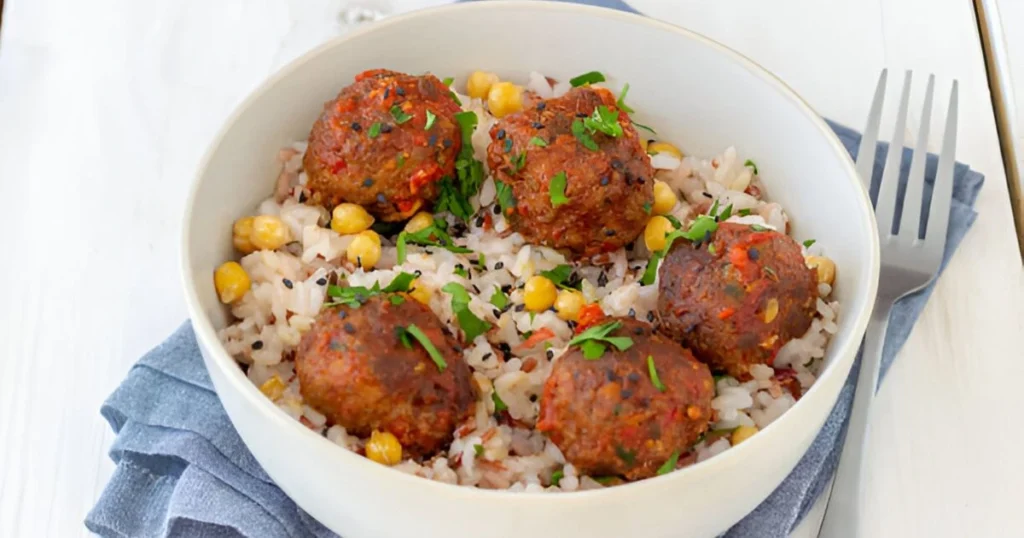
x=675, y=222
x=752, y=165
x=770, y=272
x=556, y=190
x=423, y=237
x=558, y=275
x=471, y=325
x=711, y=249
x=518, y=162
x=498, y=298
x=400, y=115
x=759, y=228
x=580, y=132
x=499, y=405
x=508, y=144
x=455, y=98
x=506, y=200
x=374, y=130
x=644, y=127
x=355, y=296
x=435, y=355
x=396, y=299
x=470, y=173
x=647, y=207
x=431, y=117
x=605, y=121
x=595, y=340
x=655, y=380
x=670, y=464
x=627, y=456
x=743, y=212
x=699, y=230
x=592, y=77
x=461, y=271
x=809, y=242
x=621, y=103
x=556, y=476
x=478, y=450
x=451, y=199
x=538, y=141
x=400, y=283
x=400, y=160
x=448, y=81
x=724, y=215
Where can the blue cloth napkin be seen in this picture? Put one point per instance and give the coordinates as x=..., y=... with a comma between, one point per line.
x=182, y=470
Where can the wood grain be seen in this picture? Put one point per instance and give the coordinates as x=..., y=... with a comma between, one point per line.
x=107, y=105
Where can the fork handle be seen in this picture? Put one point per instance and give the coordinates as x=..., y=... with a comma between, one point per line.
x=843, y=514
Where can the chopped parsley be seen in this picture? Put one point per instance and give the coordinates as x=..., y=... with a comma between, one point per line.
x=770, y=272
x=557, y=476
x=400, y=160
x=355, y=296
x=621, y=103
x=605, y=121
x=518, y=162
x=752, y=165
x=644, y=127
x=506, y=200
x=431, y=117
x=455, y=98
x=670, y=464
x=701, y=228
x=711, y=249
x=498, y=298
x=396, y=299
x=627, y=456
x=759, y=228
x=595, y=340
x=580, y=132
x=558, y=275
x=556, y=190
x=423, y=237
x=471, y=325
x=451, y=199
x=508, y=144
x=675, y=222
x=809, y=242
x=478, y=450
x=499, y=405
x=647, y=207
x=538, y=141
x=448, y=81
x=435, y=355
x=743, y=212
x=592, y=77
x=461, y=271
x=725, y=214
x=655, y=380
x=374, y=130
x=470, y=173
x=400, y=115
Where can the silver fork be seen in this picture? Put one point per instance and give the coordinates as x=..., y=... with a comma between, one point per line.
x=909, y=262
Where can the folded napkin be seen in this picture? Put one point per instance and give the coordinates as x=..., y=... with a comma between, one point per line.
x=182, y=470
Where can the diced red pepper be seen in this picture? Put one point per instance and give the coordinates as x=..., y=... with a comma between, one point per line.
x=537, y=337
x=589, y=315
x=726, y=312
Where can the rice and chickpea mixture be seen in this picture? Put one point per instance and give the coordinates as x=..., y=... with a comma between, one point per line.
x=520, y=288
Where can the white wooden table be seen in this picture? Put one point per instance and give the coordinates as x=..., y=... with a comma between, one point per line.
x=107, y=105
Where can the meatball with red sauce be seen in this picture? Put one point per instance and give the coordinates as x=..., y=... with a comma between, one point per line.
x=372, y=146
x=736, y=300
x=608, y=179
x=354, y=368
x=609, y=416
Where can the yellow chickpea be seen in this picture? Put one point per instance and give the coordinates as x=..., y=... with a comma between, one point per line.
x=269, y=232
x=825, y=267
x=273, y=388
x=568, y=304
x=655, y=232
x=480, y=83
x=664, y=198
x=347, y=219
x=364, y=250
x=420, y=291
x=655, y=148
x=419, y=222
x=504, y=99
x=241, y=235
x=231, y=282
x=539, y=294
x=384, y=448
x=742, y=433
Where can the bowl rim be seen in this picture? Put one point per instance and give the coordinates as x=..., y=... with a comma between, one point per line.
x=206, y=333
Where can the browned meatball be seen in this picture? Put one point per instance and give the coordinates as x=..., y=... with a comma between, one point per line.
x=737, y=301
x=353, y=367
x=609, y=188
x=371, y=145
x=608, y=416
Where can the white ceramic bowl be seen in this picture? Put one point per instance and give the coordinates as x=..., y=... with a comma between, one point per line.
x=697, y=93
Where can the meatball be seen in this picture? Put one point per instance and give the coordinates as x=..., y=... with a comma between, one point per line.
x=609, y=417
x=371, y=145
x=609, y=187
x=736, y=301
x=354, y=368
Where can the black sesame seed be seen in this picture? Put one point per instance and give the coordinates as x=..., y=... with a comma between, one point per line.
x=505, y=348
x=302, y=197
x=626, y=393
x=381, y=199
x=533, y=397
x=497, y=209
x=630, y=246
x=349, y=328
x=457, y=348
x=752, y=253
x=650, y=316
x=446, y=143
x=616, y=164
x=581, y=114
x=476, y=290
x=640, y=179
x=342, y=314
x=479, y=222
x=633, y=376
x=538, y=125
x=520, y=307
x=385, y=128
x=707, y=194
x=257, y=344
x=550, y=354
x=500, y=134
x=602, y=279
x=356, y=127
x=609, y=232
x=499, y=265
x=432, y=140
x=604, y=180
x=368, y=182
x=387, y=92
x=497, y=313
x=629, y=179
x=542, y=105
x=632, y=313
x=487, y=356
x=418, y=272
x=572, y=325
x=400, y=90
x=609, y=374
x=506, y=288
x=287, y=283
x=321, y=281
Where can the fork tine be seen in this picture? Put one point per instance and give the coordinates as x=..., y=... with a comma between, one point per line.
x=885, y=207
x=869, y=141
x=942, y=193
x=911, y=217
